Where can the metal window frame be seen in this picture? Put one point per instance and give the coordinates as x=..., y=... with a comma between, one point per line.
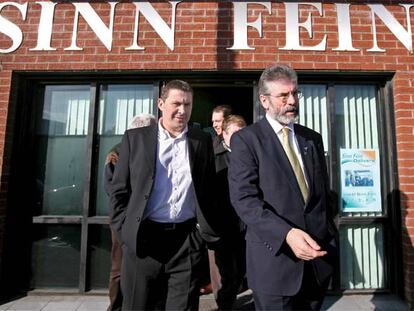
x=30, y=81
x=87, y=217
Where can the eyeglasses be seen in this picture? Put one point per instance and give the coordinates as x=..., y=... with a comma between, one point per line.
x=285, y=96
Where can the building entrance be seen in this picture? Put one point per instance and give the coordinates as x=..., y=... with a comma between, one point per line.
x=206, y=97
x=68, y=127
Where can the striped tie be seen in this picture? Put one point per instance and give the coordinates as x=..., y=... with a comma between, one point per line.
x=293, y=159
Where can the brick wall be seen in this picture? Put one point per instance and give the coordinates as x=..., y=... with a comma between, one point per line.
x=203, y=33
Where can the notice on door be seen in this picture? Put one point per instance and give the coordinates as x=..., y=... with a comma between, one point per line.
x=360, y=180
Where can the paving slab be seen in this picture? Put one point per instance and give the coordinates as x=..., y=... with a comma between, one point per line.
x=244, y=302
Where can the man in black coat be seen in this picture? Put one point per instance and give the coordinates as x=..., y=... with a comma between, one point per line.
x=227, y=261
x=217, y=118
x=162, y=206
x=279, y=187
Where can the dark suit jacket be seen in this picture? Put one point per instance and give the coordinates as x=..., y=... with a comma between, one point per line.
x=266, y=195
x=232, y=226
x=134, y=178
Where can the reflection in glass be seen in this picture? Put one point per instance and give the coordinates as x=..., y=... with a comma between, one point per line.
x=56, y=256
x=313, y=110
x=60, y=144
x=99, y=256
x=118, y=105
x=362, y=257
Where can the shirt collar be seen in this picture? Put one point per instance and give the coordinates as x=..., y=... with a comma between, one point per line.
x=163, y=134
x=277, y=127
x=225, y=146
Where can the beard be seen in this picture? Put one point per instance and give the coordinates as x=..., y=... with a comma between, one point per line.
x=282, y=118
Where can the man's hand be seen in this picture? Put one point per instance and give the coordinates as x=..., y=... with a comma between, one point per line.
x=112, y=157
x=303, y=246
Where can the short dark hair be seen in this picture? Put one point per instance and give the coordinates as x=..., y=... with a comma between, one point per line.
x=233, y=119
x=224, y=109
x=276, y=73
x=175, y=85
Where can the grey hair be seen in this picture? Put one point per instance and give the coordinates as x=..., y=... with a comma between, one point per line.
x=276, y=73
x=141, y=120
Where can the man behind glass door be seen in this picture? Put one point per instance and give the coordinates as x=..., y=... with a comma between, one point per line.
x=162, y=207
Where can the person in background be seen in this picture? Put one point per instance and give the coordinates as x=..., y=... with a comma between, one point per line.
x=217, y=117
x=162, y=206
x=227, y=261
x=279, y=187
x=115, y=294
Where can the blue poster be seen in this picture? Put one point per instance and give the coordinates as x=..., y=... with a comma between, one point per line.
x=360, y=180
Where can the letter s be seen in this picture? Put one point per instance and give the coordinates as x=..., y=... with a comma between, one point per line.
x=11, y=30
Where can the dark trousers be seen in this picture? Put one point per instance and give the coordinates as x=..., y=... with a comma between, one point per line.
x=227, y=270
x=115, y=294
x=309, y=297
x=165, y=272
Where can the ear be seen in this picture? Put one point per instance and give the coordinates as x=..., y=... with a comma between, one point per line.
x=264, y=100
x=160, y=104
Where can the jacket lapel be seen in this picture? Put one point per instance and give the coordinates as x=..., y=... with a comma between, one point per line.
x=276, y=152
x=193, y=144
x=150, y=147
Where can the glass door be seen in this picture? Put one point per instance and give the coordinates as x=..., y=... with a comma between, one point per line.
x=75, y=127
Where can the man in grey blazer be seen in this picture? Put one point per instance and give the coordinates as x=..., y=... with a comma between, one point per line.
x=279, y=187
x=162, y=209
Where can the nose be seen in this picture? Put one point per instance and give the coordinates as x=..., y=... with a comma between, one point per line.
x=292, y=99
x=181, y=109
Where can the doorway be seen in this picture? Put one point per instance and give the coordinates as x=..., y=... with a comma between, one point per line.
x=206, y=97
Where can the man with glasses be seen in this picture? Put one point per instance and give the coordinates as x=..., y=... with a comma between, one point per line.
x=279, y=187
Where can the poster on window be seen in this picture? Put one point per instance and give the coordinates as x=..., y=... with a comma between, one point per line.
x=360, y=180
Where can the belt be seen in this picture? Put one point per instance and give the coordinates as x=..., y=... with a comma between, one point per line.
x=169, y=226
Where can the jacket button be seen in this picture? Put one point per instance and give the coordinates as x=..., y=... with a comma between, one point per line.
x=138, y=219
x=146, y=197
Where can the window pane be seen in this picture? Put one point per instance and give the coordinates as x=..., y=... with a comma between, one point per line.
x=118, y=105
x=60, y=144
x=56, y=256
x=100, y=255
x=356, y=113
x=313, y=110
x=362, y=257
x=356, y=124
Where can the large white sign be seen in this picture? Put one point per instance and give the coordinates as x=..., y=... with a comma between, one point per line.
x=360, y=180
x=240, y=22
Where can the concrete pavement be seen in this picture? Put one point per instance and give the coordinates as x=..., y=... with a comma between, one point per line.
x=43, y=302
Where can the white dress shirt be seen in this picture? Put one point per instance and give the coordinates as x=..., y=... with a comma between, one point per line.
x=277, y=127
x=172, y=199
